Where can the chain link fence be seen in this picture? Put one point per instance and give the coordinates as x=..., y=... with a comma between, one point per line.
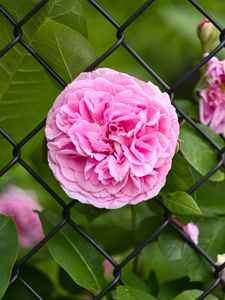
x=66, y=219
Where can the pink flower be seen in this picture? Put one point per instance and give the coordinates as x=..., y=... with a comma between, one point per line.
x=111, y=139
x=212, y=97
x=108, y=268
x=21, y=205
x=192, y=231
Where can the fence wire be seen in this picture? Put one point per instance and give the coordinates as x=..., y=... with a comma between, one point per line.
x=66, y=219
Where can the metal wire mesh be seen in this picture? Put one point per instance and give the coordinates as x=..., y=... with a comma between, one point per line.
x=66, y=219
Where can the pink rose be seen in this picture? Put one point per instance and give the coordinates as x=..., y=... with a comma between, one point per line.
x=111, y=139
x=21, y=205
x=212, y=97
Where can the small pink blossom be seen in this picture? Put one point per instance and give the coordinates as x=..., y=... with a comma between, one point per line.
x=111, y=139
x=212, y=97
x=20, y=205
x=108, y=268
x=192, y=231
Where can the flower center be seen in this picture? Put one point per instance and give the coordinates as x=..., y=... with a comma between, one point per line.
x=216, y=92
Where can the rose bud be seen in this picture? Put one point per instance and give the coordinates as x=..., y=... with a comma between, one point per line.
x=208, y=35
x=111, y=139
x=21, y=206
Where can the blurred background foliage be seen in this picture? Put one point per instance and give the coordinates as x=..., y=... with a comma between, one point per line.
x=164, y=36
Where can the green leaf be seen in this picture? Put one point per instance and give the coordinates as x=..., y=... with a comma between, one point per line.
x=213, y=135
x=72, y=253
x=67, y=12
x=18, y=292
x=153, y=283
x=39, y=281
x=121, y=231
x=192, y=295
x=132, y=280
x=26, y=92
x=211, y=231
x=164, y=269
x=147, y=227
x=181, y=203
x=189, y=107
x=173, y=288
x=171, y=245
x=68, y=284
x=8, y=251
x=64, y=49
x=211, y=198
x=180, y=176
x=129, y=293
x=196, y=266
x=26, y=89
x=198, y=152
